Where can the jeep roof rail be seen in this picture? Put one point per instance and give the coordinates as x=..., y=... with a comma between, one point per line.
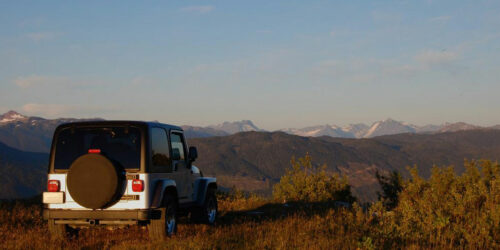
x=118, y=122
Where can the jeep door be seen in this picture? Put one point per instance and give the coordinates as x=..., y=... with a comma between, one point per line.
x=182, y=171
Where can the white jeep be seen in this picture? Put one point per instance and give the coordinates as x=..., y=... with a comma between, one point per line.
x=118, y=173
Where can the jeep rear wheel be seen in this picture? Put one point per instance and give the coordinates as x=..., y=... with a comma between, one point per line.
x=207, y=214
x=166, y=226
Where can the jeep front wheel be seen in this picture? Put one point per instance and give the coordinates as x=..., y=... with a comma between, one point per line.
x=167, y=225
x=207, y=214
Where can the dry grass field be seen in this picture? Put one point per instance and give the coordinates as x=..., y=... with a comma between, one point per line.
x=249, y=223
x=446, y=211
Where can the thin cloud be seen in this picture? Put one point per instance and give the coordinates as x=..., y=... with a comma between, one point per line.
x=33, y=22
x=200, y=9
x=36, y=80
x=46, y=109
x=433, y=57
x=40, y=36
x=377, y=70
x=65, y=110
x=374, y=70
x=41, y=81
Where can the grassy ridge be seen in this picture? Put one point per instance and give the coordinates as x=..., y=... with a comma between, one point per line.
x=445, y=211
x=250, y=223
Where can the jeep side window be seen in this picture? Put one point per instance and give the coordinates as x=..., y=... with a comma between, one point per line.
x=177, y=146
x=160, y=151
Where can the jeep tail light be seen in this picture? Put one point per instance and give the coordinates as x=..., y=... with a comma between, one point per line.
x=137, y=185
x=94, y=151
x=53, y=186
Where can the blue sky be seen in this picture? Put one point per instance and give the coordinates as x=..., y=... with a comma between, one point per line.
x=278, y=63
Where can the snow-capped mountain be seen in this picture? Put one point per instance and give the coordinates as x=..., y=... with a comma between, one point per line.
x=12, y=116
x=29, y=133
x=457, y=126
x=430, y=128
x=388, y=127
x=358, y=129
x=236, y=127
x=323, y=130
x=379, y=128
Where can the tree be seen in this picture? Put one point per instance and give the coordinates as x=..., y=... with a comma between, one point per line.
x=392, y=186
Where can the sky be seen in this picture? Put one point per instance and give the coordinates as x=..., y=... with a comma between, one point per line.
x=280, y=64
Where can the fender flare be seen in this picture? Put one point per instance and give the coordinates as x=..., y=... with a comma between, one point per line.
x=159, y=190
x=201, y=186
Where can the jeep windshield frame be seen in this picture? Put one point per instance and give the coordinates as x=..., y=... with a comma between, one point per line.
x=122, y=142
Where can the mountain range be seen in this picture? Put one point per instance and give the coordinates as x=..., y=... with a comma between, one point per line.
x=379, y=128
x=35, y=133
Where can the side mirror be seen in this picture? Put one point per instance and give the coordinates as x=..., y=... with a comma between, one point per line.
x=193, y=154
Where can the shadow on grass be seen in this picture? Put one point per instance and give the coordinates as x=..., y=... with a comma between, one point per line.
x=278, y=211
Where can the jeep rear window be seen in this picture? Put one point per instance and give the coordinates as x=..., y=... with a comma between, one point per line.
x=122, y=145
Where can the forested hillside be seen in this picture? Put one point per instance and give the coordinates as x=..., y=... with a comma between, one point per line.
x=24, y=174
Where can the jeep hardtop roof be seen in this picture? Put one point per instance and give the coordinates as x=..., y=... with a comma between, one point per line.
x=142, y=125
x=118, y=122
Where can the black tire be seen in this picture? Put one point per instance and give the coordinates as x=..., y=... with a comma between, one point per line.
x=207, y=214
x=163, y=227
x=57, y=231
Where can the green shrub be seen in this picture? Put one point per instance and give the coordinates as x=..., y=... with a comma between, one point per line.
x=452, y=210
x=308, y=183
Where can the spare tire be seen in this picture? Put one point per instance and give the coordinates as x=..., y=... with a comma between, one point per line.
x=94, y=181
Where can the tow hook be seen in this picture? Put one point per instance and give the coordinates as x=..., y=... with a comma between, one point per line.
x=93, y=222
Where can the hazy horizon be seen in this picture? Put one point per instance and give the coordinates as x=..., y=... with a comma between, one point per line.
x=260, y=127
x=280, y=64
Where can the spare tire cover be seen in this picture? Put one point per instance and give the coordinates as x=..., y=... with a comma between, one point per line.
x=94, y=181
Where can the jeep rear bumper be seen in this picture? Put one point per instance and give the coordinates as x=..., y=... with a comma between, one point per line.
x=101, y=214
